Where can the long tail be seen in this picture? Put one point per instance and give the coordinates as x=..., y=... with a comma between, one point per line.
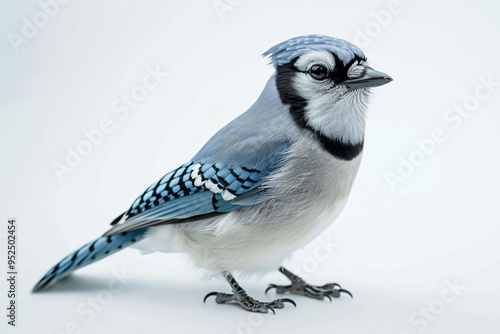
x=87, y=254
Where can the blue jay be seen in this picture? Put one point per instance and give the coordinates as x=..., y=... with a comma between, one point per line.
x=263, y=186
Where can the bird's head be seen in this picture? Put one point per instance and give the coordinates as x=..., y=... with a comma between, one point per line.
x=326, y=82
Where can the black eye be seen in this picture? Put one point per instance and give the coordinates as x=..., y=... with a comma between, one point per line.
x=318, y=72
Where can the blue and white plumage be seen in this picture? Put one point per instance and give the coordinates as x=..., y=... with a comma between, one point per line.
x=264, y=185
x=288, y=50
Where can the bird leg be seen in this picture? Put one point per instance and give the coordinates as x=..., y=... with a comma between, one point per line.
x=300, y=287
x=240, y=297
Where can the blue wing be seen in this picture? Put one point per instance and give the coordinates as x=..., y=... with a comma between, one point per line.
x=199, y=188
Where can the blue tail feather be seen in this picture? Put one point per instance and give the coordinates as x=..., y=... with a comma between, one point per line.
x=87, y=254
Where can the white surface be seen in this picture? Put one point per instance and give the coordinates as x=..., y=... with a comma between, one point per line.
x=394, y=250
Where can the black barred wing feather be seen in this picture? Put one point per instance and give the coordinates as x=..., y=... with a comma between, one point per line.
x=194, y=190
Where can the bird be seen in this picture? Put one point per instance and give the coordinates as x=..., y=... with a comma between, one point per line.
x=265, y=185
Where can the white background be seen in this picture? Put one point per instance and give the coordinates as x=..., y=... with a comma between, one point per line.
x=394, y=248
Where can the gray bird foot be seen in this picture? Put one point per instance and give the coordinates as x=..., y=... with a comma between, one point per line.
x=300, y=287
x=241, y=298
x=248, y=303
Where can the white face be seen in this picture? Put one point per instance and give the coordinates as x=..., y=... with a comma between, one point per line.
x=332, y=109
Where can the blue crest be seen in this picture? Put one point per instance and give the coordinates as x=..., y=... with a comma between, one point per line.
x=290, y=49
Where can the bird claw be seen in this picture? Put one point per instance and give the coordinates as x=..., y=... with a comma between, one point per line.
x=249, y=303
x=330, y=286
x=300, y=287
x=213, y=293
x=345, y=291
x=287, y=300
x=279, y=288
x=271, y=286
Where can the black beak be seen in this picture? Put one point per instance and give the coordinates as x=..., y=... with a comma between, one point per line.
x=371, y=78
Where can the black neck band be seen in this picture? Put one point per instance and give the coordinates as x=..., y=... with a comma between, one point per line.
x=298, y=104
x=337, y=148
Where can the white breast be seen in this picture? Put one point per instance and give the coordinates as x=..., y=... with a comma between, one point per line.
x=307, y=195
x=316, y=185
